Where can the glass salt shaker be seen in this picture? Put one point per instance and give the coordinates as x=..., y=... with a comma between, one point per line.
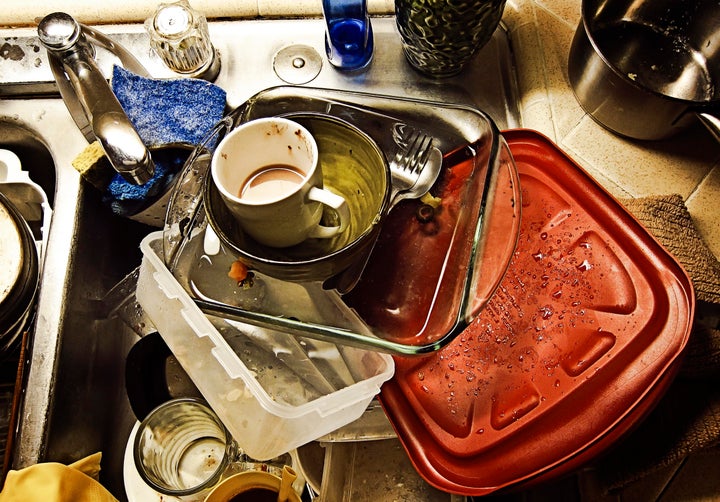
x=349, y=36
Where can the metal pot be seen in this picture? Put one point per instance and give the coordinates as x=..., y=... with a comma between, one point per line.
x=648, y=69
x=19, y=275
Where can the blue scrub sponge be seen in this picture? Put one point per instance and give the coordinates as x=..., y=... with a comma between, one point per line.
x=176, y=111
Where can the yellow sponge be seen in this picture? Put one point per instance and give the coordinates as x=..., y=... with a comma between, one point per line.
x=93, y=166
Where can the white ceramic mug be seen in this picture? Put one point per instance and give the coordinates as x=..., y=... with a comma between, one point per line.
x=256, y=486
x=268, y=175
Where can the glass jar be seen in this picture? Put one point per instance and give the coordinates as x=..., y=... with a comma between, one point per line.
x=440, y=37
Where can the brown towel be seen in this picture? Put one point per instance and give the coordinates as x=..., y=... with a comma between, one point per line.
x=667, y=218
x=687, y=419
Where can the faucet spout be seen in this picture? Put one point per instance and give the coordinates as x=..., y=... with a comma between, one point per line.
x=88, y=96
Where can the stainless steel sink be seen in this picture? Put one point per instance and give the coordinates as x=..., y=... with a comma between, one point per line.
x=36, y=160
x=75, y=401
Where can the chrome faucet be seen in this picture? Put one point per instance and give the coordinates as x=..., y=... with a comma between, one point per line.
x=88, y=96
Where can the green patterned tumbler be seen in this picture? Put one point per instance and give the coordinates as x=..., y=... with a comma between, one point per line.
x=440, y=37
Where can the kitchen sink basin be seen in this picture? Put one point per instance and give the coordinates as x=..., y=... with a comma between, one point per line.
x=73, y=398
x=74, y=401
x=37, y=162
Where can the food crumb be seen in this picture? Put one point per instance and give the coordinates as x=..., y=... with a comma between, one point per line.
x=238, y=271
x=425, y=213
x=240, y=274
x=428, y=199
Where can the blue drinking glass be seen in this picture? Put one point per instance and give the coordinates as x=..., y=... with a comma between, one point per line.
x=349, y=37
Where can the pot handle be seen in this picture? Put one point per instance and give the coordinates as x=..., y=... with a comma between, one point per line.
x=711, y=122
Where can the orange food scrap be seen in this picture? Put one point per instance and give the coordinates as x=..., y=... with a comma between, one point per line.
x=238, y=271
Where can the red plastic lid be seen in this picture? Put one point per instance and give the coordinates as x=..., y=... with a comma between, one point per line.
x=578, y=343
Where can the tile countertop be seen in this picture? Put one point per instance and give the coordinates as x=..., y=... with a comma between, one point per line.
x=541, y=32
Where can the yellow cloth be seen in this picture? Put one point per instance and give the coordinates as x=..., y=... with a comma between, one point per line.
x=55, y=482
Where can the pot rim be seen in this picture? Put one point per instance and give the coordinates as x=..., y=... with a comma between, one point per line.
x=586, y=23
x=16, y=306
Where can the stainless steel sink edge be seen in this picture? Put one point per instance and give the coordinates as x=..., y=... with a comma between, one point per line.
x=50, y=120
x=248, y=67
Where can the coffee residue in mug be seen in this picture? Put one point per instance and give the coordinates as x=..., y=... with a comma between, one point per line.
x=255, y=495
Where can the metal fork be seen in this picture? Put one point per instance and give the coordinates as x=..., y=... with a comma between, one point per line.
x=416, y=159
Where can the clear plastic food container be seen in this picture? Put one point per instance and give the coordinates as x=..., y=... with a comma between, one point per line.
x=273, y=391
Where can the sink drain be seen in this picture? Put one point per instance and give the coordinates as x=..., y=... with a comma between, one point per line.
x=297, y=64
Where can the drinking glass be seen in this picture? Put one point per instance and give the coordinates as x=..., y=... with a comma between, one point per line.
x=182, y=448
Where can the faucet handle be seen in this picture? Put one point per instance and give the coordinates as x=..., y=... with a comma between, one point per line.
x=59, y=31
x=179, y=35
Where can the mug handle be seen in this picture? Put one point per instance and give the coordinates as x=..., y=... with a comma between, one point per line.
x=338, y=204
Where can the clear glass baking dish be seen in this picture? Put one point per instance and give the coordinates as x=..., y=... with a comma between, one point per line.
x=425, y=280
